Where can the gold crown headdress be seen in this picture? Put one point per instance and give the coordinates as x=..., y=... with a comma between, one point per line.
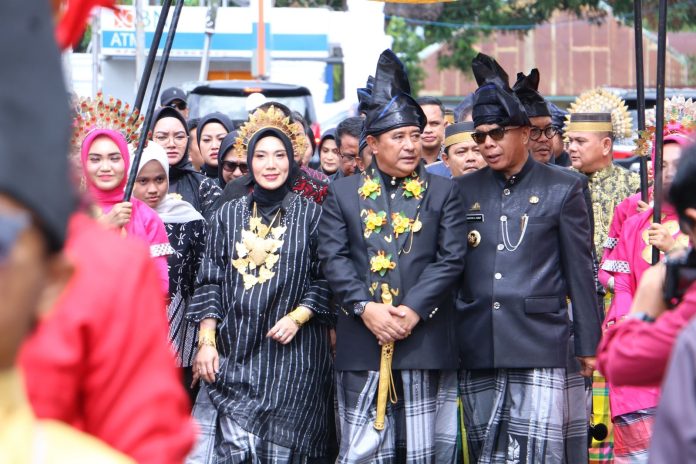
x=603, y=101
x=272, y=117
x=99, y=114
x=680, y=118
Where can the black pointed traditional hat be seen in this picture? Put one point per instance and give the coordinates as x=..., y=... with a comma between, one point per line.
x=34, y=118
x=364, y=94
x=494, y=100
x=390, y=104
x=526, y=89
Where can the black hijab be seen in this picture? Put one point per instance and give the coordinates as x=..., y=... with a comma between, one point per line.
x=184, y=164
x=211, y=171
x=269, y=201
x=225, y=146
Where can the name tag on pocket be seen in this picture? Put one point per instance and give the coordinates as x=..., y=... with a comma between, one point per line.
x=474, y=217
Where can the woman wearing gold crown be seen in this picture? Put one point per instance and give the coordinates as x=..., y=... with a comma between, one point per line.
x=262, y=306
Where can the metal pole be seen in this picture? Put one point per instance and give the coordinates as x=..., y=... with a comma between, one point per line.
x=149, y=63
x=139, y=42
x=209, y=31
x=153, y=99
x=640, y=92
x=95, y=54
x=659, y=117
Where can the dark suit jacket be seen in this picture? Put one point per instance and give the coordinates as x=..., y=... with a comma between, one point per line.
x=511, y=309
x=428, y=274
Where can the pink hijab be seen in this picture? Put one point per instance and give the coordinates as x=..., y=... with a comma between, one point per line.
x=145, y=224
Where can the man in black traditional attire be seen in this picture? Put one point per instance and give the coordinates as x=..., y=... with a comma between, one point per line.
x=391, y=249
x=529, y=241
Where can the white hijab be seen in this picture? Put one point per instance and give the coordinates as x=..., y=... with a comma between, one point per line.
x=172, y=209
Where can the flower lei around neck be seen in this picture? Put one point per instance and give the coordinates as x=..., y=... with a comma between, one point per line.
x=259, y=250
x=400, y=222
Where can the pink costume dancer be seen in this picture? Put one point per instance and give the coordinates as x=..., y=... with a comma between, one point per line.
x=144, y=222
x=632, y=408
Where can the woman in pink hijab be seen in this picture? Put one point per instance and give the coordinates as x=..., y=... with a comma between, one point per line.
x=633, y=408
x=105, y=164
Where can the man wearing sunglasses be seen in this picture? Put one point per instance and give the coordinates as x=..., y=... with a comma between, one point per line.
x=176, y=98
x=529, y=252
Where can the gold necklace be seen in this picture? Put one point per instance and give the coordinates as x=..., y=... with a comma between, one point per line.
x=259, y=250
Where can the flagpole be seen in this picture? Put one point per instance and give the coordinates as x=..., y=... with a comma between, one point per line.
x=152, y=54
x=640, y=92
x=659, y=118
x=153, y=98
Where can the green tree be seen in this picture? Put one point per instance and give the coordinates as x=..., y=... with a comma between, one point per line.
x=407, y=44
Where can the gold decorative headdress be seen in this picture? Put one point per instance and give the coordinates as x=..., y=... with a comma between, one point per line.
x=112, y=114
x=680, y=118
x=275, y=118
x=603, y=101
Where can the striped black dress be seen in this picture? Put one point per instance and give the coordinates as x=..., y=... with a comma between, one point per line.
x=280, y=393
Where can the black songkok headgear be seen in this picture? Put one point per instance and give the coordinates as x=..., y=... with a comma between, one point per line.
x=364, y=94
x=494, y=100
x=391, y=106
x=34, y=169
x=558, y=116
x=526, y=89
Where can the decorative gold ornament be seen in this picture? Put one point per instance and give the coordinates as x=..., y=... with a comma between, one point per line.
x=274, y=118
x=680, y=118
x=474, y=238
x=603, y=101
x=300, y=316
x=206, y=337
x=258, y=250
x=95, y=113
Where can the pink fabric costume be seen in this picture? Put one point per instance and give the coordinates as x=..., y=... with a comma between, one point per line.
x=144, y=223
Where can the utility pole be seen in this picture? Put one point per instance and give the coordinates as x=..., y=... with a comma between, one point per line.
x=210, y=18
x=139, y=41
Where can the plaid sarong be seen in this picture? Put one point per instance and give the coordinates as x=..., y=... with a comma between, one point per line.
x=632, y=433
x=601, y=452
x=222, y=440
x=524, y=415
x=420, y=428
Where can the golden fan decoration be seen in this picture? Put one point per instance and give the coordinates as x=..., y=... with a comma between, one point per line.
x=273, y=117
x=680, y=117
x=98, y=113
x=603, y=101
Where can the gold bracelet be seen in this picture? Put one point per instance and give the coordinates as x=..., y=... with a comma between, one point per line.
x=301, y=315
x=206, y=337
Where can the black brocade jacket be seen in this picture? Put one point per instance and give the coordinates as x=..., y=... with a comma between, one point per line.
x=428, y=274
x=511, y=310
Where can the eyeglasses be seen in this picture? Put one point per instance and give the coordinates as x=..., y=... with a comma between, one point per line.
x=496, y=134
x=179, y=139
x=231, y=166
x=349, y=158
x=548, y=131
x=179, y=105
x=11, y=227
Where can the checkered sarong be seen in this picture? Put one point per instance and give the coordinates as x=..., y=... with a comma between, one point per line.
x=222, y=440
x=420, y=428
x=632, y=433
x=524, y=416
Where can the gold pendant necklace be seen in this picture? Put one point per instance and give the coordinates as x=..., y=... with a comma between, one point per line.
x=259, y=250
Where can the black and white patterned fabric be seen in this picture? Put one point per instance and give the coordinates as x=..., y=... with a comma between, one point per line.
x=515, y=416
x=187, y=241
x=613, y=265
x=162, y=249
x=420, y=427
x=279, y=393
x=611, y=242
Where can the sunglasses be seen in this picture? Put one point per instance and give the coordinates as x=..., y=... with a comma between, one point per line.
x=179, y=105
x=548, y=131
x=496, y=134
x=231, y=166
x=11, y=227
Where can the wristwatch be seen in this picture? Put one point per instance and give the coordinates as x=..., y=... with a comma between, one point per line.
x=641, y=316
x=359, y=308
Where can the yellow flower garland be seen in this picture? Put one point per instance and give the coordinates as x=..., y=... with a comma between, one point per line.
x=381, y=263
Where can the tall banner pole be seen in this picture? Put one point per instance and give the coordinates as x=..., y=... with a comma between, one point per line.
x=659, y=118
x=152, y=54
x=153, y=98
x=640, y=92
